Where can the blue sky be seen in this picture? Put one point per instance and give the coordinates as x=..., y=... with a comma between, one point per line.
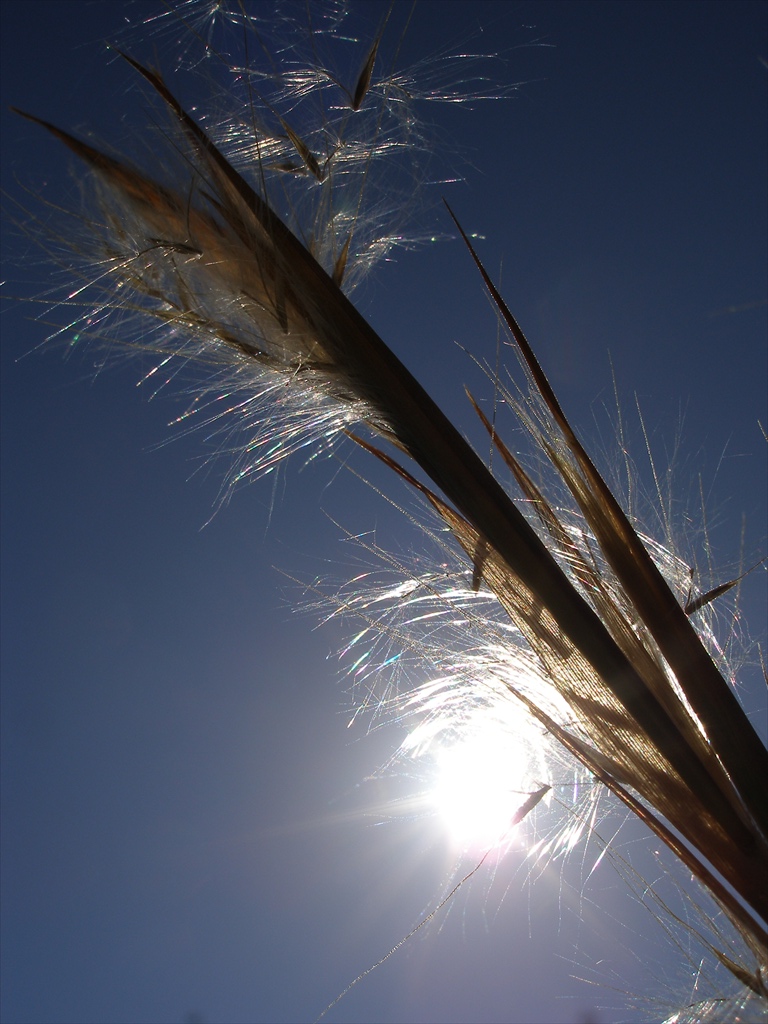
x=189, y=825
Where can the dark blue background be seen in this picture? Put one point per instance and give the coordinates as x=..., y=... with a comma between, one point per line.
x=187, y=825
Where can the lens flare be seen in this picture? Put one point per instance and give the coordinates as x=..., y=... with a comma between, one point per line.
x=482, y=774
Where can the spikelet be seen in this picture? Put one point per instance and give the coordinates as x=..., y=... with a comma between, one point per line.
x=178, y=240
x=574, y=621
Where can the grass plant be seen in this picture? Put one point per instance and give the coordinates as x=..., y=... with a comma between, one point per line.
x=239, y=252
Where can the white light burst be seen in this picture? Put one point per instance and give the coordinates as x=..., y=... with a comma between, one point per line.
x=482, y=777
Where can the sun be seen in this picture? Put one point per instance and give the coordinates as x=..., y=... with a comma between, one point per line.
x=483, y=775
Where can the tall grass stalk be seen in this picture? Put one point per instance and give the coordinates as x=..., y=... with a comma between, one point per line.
x=238, y=250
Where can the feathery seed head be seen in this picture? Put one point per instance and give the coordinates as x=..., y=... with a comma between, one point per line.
x=241, y=261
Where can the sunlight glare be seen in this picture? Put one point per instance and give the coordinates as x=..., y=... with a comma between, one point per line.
x=482, y=779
